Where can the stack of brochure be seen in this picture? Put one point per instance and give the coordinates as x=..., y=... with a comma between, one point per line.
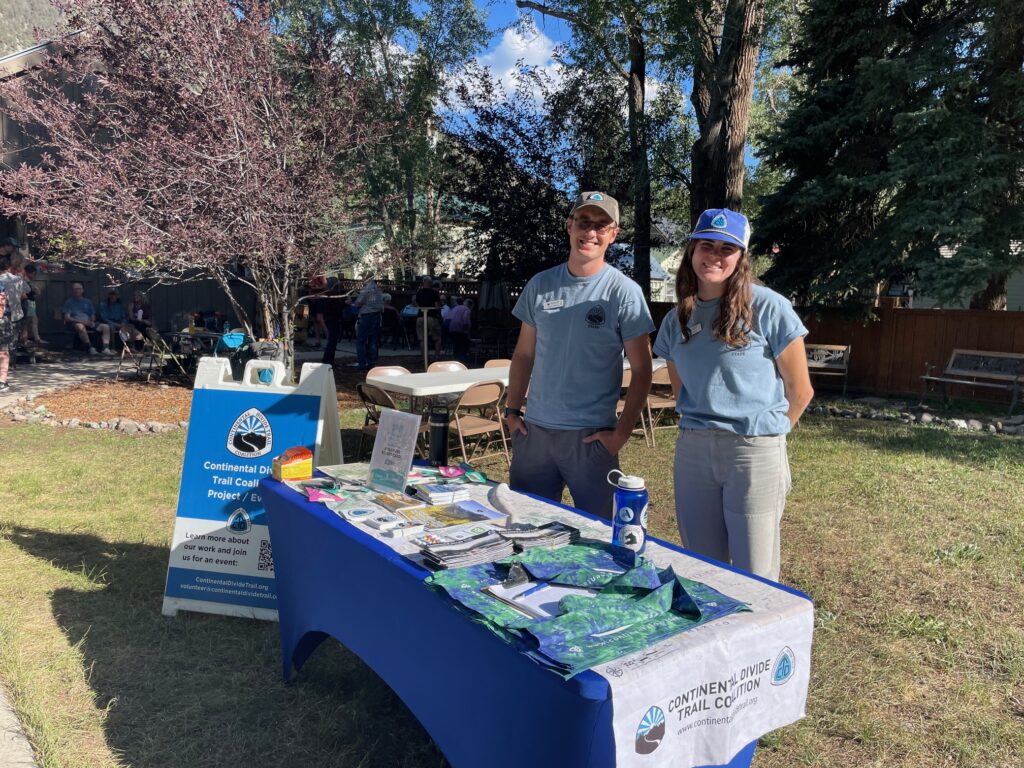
x=484, y=548
x=550, y=535
x=438, y=493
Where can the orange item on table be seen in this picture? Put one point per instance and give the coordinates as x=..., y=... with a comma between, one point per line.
x=294, y=464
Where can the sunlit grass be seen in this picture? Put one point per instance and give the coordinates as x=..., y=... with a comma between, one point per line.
x=909, y=539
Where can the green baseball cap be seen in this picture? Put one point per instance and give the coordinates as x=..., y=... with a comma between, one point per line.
x=600, y=200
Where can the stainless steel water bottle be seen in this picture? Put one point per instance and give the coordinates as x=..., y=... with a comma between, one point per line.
x=629, y=522
x=438, y=423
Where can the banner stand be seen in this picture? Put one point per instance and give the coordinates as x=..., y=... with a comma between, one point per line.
x=221, y=556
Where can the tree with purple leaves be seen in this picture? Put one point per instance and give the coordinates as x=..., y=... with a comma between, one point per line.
x=185, y=138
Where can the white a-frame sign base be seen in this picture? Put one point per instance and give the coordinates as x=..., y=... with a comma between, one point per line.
x=220, y=560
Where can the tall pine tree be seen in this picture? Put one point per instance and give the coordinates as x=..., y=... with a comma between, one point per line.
x=903, y=152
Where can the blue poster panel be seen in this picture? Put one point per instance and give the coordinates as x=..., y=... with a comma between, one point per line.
x=221, y=551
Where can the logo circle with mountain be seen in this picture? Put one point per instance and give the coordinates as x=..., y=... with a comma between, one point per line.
x=250, y=436
x=650, y=731
x=239, y=521
x=595, y=316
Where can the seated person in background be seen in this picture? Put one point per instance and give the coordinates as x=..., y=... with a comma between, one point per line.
x=459, y=321
x=390, y=322
x=140, y=313
x=113, y=318
x=80, y=316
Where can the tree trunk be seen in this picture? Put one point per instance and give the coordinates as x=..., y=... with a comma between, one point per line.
x=722, y=91
x=994, y=294
x=636, y=92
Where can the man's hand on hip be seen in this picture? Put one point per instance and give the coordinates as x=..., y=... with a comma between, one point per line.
x=610, y=439
x=516, y=424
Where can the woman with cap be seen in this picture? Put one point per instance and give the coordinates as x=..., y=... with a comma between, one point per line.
x=735, y=356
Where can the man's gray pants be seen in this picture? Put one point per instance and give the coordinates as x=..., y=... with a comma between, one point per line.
x=730, y=493
x=545, y=460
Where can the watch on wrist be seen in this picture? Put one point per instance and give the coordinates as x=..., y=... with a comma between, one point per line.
x=513, y=412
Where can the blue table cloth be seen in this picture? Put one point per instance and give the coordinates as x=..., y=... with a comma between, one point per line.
x=333, y=580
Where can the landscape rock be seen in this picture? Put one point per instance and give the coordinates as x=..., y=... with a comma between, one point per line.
x=974, y=425
x=925, y=418
x=958, y=424
x=73, y=423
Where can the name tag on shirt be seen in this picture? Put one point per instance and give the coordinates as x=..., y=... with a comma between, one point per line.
x=694, y=328
x=554, y=304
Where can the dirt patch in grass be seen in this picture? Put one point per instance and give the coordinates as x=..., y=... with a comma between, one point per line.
x=169, y=402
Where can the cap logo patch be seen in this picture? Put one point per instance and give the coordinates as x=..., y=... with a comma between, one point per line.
x=719, y=221
x=595, y=196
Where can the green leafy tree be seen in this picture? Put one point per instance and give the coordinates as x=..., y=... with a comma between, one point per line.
x=903, y=152
x=408, y=52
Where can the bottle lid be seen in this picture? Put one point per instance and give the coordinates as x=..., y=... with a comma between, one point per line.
x=631, y=482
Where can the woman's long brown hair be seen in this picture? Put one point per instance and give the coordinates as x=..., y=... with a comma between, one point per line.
x=735, y=310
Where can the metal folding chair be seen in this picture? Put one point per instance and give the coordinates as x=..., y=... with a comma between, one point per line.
x=374, y=399
x=477, y=415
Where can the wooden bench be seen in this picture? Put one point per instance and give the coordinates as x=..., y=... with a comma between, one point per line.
x=975, y=368
x=829, y=360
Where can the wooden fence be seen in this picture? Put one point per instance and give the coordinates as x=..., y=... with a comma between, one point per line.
x=889, y=350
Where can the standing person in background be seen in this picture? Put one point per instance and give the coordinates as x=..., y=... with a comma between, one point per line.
x=333, y=309
x=30, y=327
x=316, y=325
x=460, y=320
x=15, y=286
x=735, y=353
x=6, y=340
x=79, y=315
x=370, y=304
x=427, y=296
x=578, y=318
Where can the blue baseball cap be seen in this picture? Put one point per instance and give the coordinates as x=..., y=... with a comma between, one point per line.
x=722, y=224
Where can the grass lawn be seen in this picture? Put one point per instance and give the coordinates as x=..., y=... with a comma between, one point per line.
x=909, y=539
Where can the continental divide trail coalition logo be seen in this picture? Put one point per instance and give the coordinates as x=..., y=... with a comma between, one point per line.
x=250, y=436
x=785, y=665
x=650, y=731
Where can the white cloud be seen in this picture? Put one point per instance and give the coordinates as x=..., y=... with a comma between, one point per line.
x=521, y=46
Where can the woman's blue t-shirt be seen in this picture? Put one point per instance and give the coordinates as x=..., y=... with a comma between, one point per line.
x=737, y=389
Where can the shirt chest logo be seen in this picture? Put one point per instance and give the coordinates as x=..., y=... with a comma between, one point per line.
x=595, y=316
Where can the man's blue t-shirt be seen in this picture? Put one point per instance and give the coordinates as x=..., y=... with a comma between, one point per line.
x=113, y=314
x=581, y=323
x=735, y=389
x=78, y=309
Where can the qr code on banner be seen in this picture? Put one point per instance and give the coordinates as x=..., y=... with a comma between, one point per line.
x=266, y=562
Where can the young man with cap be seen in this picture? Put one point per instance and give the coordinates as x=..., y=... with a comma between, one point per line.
x=578, y=318
x=735, y=353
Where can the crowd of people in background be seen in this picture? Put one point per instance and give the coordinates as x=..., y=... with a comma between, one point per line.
x=368, y=316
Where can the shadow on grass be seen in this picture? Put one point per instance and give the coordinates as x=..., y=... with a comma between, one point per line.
x=979, y=449
x=200, y=690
